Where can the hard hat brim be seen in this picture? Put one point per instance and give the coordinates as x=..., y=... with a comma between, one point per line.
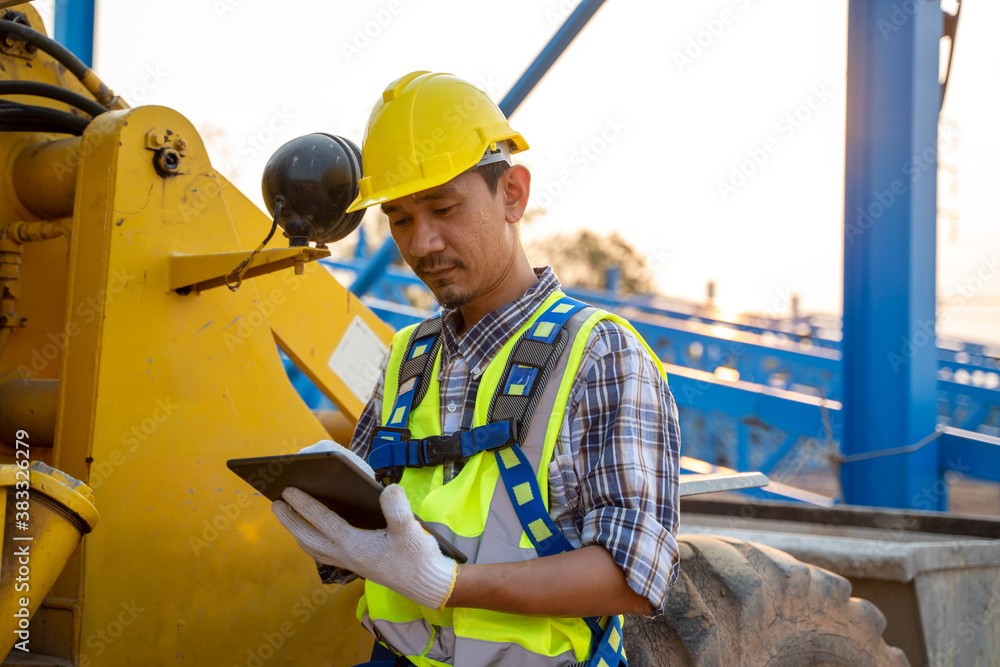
x=517, y=143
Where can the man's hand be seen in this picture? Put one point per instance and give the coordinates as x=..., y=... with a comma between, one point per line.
x=331, y=446
x=402, y=556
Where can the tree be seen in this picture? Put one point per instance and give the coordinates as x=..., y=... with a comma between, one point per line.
x=583, y=258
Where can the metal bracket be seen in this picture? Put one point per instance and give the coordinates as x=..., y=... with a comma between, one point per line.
x=11, y=45
x=158, y=139
x=202, y=272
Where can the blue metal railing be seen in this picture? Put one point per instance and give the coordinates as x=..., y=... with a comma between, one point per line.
x=783, y=415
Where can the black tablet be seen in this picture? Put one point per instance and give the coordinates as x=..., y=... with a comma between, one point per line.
x=332, y=479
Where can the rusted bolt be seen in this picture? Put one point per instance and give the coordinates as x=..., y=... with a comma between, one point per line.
x=167, y=161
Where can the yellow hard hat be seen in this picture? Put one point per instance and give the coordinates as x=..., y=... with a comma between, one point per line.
x=426, y=130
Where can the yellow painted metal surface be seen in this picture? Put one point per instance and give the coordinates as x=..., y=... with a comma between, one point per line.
x=35, y=351
x=310, y=314
x=155, y=396
x=158, y=389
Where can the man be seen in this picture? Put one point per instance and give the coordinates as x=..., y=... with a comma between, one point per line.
x=550, y=400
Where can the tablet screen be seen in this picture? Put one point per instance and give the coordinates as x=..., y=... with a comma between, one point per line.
x=329, y=477
x=332, y=479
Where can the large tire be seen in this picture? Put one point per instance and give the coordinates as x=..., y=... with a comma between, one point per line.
x=742, y=604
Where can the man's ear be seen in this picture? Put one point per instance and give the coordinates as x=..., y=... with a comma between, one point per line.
x=516, y=185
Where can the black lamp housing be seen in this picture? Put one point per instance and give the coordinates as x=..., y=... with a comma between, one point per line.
x=316, y=178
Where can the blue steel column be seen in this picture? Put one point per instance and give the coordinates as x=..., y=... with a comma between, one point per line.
x=890, y=201
x=74, y=28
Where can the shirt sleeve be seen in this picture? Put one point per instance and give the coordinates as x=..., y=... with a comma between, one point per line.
x=623, y=419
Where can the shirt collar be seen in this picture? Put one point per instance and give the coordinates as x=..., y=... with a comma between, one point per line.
x=485, y=338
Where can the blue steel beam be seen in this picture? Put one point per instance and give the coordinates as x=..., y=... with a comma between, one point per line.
x=402, y=275
x=373, y=270
x=971, y=454
x=793, y=412
x=767, y=360
x=74, y=28
x=547, y=57
x=826, y=334
x=893, y=97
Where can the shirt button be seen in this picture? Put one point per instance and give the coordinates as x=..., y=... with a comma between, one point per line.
x=476, y=372
x=452, y=407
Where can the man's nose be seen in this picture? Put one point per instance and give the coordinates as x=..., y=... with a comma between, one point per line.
x=426, y=238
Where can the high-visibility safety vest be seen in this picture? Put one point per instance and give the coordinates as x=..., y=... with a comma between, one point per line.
x=474, y=511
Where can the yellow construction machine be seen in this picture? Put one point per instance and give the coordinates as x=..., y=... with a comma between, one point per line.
x=127, y=363
x=139, y=336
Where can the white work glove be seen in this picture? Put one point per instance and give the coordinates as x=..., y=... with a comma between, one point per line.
x=330, y=574
x=402, y=556
x=331, y=446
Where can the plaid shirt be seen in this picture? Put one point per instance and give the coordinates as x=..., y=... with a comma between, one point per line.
x=613, y=479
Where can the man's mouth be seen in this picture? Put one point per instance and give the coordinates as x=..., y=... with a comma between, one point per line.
x=438, y=272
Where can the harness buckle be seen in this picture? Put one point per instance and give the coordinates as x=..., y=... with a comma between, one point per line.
x=402, y=434
x=438, y=449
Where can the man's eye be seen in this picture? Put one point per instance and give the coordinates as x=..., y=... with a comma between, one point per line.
x=442, y=211
x=400, y=222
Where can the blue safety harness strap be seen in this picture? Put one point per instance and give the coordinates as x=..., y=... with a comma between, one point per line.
x=524, y=378
x=439, y=449
x=527, y=369
x=511, y=409
x=413, y=380
x=526, y=496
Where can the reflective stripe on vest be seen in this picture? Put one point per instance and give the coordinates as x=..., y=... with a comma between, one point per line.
x=474, y=511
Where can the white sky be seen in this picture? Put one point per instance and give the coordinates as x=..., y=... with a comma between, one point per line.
x=252, y=75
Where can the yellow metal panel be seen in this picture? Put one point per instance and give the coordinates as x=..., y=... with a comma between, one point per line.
x=186, y=567
x=310, y=314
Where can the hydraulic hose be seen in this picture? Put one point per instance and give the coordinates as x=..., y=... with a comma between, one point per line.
x=38, y=89
x=34, y=126
x=27, y=118
x=66, y=58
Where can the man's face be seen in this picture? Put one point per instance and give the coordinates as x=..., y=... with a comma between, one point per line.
x=455, y=237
